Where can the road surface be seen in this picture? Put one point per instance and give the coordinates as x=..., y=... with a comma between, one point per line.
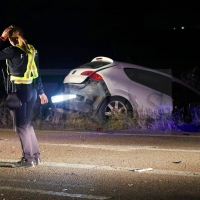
x=126, y=165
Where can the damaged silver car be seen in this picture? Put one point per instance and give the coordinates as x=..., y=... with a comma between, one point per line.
x=105, y=87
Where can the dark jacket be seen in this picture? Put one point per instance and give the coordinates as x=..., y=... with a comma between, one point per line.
x=17, y=60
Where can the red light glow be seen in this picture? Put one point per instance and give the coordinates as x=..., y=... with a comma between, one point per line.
x=93, y=75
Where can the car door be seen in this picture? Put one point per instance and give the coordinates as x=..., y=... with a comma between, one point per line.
x=149, y=90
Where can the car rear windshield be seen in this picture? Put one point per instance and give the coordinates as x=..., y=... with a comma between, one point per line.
x=94, y=65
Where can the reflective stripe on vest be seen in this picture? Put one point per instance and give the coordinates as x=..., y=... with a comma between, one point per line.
x=31, y=69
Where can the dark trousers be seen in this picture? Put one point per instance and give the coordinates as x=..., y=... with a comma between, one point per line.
x=28, y=95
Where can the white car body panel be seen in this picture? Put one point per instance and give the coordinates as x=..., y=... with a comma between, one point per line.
x=145, y=98
x=106, y=59
x=117, y=82
x=148, y=99
x=75, y=77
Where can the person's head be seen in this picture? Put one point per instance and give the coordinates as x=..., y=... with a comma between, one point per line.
x=16, y=37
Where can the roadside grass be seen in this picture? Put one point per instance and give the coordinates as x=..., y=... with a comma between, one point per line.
x=45, y=118
x=5, y=117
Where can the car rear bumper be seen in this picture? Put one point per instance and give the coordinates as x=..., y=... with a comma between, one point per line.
x=88, y=96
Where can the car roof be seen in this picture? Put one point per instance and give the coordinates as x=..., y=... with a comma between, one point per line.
x=164, y=72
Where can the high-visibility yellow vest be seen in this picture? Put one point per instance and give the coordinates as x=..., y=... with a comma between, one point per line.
x=31, y=69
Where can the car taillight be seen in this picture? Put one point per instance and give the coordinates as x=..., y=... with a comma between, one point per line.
x=87, y=73
x=94, y=75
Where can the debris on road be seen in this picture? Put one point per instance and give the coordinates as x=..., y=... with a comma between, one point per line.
x=142, y=170
x=177, y=162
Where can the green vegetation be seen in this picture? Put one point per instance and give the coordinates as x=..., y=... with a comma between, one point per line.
x=58, y=119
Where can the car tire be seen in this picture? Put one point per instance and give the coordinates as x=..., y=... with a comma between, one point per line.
x=113, y=105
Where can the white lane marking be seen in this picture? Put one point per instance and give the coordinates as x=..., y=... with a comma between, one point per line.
x=64, y=194
x=176, y=173
x=114, y=168
x=68, y=185
x=77, y=166
x=121, y=147
x=142, y=170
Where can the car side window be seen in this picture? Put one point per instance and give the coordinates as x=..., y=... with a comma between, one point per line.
x=150, y=79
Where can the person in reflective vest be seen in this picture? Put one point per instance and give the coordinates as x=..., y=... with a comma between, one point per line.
x=22, y=68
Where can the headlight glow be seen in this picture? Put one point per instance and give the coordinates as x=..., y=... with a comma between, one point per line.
x=63, y=97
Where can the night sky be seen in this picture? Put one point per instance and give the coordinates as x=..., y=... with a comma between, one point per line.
x=74, y=32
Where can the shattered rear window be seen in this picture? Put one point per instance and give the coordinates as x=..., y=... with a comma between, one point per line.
x=94, y=65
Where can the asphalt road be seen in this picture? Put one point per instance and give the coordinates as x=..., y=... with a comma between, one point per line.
x=95, y=165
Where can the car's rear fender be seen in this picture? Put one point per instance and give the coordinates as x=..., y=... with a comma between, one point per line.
x=89, y=95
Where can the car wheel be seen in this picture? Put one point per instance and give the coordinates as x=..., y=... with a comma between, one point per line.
x=113, y=106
